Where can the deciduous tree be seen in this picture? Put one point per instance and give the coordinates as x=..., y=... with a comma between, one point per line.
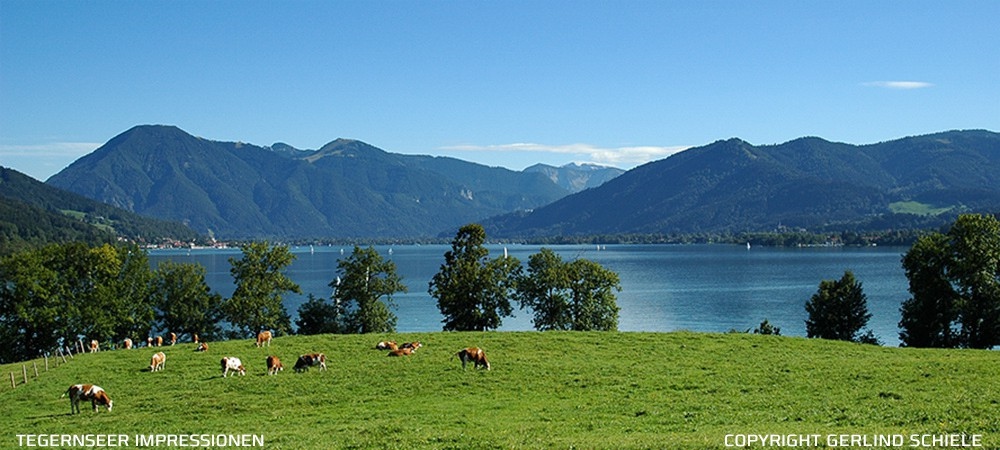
x=364, y=289
x=472, y=291
x=838, y=310
x=260, y=282
x=184, y=302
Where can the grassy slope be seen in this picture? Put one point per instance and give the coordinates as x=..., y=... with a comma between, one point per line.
x=591, y=390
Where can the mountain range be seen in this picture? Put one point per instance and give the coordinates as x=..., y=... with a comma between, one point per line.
x=808, y=183
x=350, y=189
x=33, y=213
x=346, y=189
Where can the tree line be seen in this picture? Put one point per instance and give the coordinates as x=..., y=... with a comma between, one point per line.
x=54, y=295
x=59, y=293
x=954, y=285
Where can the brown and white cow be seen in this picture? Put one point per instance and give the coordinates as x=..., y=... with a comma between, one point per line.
x=274, y=365
x=386, y=345
x=407, y=351
x=234, y=364
x=264, y=337
x=149, y=342
x=127, y=343
x=312, y=359
x=202, y=347
x=474, y=354
x=173, y=339
x=159, y=341
x=95, y=394
x=95, y=346
x=411, y=345
x=157, y=361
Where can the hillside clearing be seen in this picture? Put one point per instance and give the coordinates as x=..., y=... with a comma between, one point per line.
x=551, y=389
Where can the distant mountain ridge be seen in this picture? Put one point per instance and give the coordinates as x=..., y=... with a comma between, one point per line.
x=734, y=186
x=577, y=177
x=33, y=213
x=346, y=189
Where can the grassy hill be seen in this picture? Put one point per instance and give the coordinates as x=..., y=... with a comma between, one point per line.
x=552, y=389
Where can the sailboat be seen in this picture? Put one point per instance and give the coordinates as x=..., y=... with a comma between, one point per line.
x=748, y=245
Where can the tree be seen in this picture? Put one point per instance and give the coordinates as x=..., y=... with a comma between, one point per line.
x=955, y=286
x=256, y=302
x=57, y=294
x=569, y=296
x=838, y=310
x=473, y=292
x=318, y=316
x=930, y=316
x=364, y=289
x=184, y=302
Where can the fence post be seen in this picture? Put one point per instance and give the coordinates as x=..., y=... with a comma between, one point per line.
x=46, y=362
x=24, y=371
x=35, y=365
x=12, y=384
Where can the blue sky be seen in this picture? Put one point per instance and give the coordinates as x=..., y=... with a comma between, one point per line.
x=504, y=83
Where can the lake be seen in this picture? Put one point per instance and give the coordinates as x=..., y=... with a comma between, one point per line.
x=706, y=287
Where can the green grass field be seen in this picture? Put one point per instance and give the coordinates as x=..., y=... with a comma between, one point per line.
x=546, y=390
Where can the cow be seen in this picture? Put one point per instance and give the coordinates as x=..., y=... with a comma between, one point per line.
x=407, y=351
x=157, y=361
x=159, y=341
x=474, y=354
x=95, y=394
x=95, y=346
x=386, y=345
x=234, y=364
x=202, y=347
x=411, y=345
x=127, y=343
x=312, y=359
x=149, y=342
x=274, y=365
x=173, y=339
x=264, y=337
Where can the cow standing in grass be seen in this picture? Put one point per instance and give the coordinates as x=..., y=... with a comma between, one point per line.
x=83, y=392
x=234, y=364
x=157, y=361
x=264, y=337
x=274, y=365
x=95, y=346
x=127, y=343
x=474, y=354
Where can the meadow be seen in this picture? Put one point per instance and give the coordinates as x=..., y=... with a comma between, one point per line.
x=545, y=390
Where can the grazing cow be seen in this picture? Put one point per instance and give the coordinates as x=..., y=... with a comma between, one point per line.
x=173, y=339
x=157, y=361
x=274, y=365
x=264, y=337
x=386, y=345
x=159, y=341
x=406, y=351
x=234, y=364
x=95, y=394
x=95, y=346
x=312, y=359
x=411, y=345
x=202, y=347
x=127, y=343
x=474, y=354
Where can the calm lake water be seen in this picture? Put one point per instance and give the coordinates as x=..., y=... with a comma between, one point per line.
x=664, y=287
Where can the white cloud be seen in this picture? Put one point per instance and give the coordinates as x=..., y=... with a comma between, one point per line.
x=899, y=85
x=54, y=149
x=623, y=156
